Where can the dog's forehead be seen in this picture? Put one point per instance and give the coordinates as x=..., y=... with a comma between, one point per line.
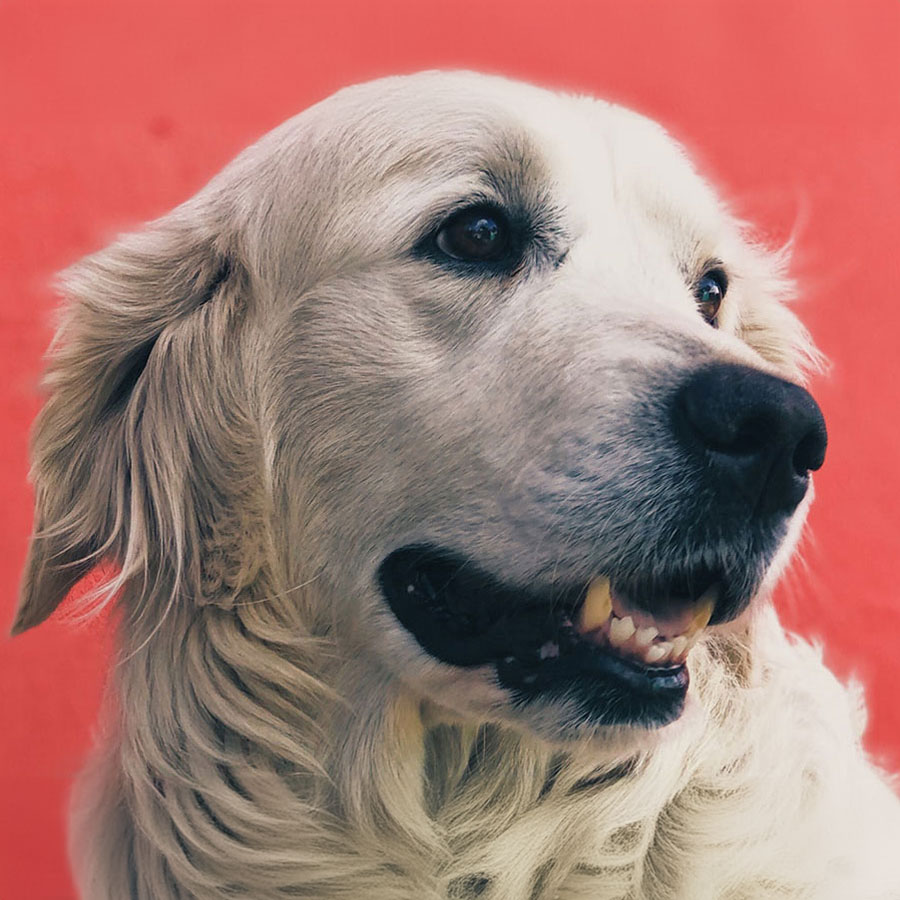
x=357, y=177
x=464, y=118
x=444, y=132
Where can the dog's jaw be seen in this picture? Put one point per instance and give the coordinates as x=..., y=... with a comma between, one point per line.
x=603, y=656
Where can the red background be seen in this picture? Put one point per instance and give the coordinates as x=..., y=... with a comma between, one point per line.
x=112, y=112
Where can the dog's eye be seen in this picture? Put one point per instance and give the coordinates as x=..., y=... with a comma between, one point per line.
x=476, y=234
x=710, y=291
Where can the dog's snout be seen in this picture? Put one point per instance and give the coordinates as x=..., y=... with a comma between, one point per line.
x=758, y=435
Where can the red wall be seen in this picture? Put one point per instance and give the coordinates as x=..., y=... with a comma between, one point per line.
x=112, y=112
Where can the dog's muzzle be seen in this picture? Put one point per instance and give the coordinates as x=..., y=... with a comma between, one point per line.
x=741, y=445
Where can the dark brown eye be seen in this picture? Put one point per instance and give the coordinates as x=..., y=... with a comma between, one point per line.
x=710, y=291
x=477, y=234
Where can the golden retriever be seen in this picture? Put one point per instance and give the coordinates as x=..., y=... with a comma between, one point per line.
x=447, y=447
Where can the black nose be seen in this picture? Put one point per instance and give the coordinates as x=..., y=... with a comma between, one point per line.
x=758, y=436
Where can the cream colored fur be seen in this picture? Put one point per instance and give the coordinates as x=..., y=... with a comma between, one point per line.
x=253, y=400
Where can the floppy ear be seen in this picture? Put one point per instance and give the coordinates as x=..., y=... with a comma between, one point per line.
x=112, y=453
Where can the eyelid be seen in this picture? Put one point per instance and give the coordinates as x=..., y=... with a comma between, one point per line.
x=494, y=209
x=426, y=243
x=537, y=234
x=441, y=214
x=715, y=265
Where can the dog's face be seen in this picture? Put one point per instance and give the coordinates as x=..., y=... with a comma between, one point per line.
x=533, y=361
x=524, y=393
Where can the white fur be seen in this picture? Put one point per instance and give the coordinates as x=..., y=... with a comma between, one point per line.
x=221, y=423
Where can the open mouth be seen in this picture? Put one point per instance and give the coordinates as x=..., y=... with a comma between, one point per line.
x=618, y=650
x=610, y=619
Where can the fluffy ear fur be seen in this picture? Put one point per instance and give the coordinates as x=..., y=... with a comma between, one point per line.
x=116, y=457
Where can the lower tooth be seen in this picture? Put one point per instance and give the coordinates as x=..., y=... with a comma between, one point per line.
x=550, y=650
x=656, y=652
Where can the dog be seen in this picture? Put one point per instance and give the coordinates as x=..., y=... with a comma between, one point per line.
x=445, y=450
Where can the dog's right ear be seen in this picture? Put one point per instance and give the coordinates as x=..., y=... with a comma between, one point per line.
x=121, y=304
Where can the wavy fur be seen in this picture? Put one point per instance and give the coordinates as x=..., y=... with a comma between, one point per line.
x=218, y=425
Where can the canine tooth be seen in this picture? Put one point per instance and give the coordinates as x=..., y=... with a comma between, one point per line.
x=656, y=652
x=597, y=605
x=679, y=645
x=705, y=606
x=643, y=636
x=620, y=630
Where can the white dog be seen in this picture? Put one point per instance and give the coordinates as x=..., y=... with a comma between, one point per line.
x=448, y=445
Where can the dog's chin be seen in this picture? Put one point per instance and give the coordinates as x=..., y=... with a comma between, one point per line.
x=573, y=659
x=560, y=723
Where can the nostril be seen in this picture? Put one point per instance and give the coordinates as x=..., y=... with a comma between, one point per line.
x=809, y=454
x=757, y=435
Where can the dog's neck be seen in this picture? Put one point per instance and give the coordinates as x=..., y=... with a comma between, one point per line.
x=250, y=753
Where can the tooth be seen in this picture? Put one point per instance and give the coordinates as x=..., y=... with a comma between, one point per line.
x=643, y=636
x=705, y=606
x=620, y=630
x=597, y=605
x=679, y=645
x=656, y=652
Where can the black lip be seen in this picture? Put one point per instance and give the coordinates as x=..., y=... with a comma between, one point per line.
x=465, y=616
x=607, y=688
x=462, y=614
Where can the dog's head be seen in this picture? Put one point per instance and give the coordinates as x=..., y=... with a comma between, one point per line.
x=490, y=366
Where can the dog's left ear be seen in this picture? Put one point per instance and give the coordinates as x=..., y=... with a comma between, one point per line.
x=131, y=385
